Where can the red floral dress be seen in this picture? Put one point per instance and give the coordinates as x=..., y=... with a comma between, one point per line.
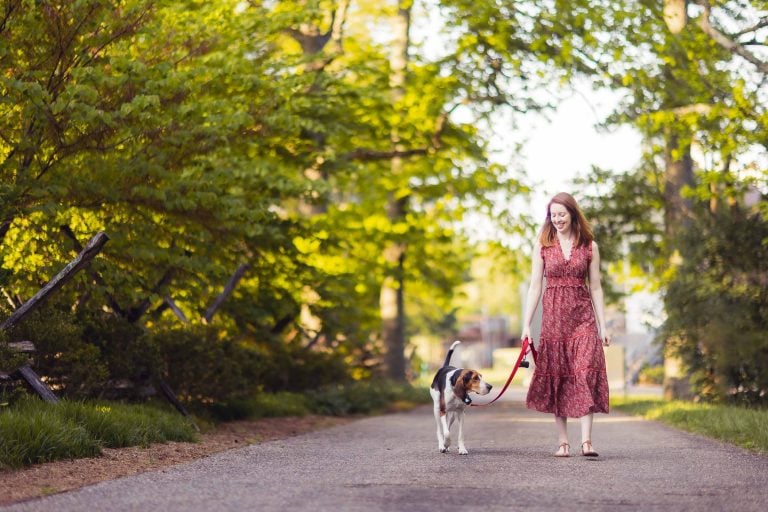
x=570, y=378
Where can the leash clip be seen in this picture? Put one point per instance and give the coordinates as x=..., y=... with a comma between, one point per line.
x=467, y=400
x=524, y=362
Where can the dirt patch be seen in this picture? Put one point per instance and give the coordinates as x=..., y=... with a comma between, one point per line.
x=60, y=476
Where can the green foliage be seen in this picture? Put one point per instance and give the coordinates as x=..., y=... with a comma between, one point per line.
x=651, y=375
x=717, y=306
x=741, y=426
x=683, y=217
x=263, y=405
x=70, y=364
x=200, y=136
x=363, y=397
x=202, y=367
x=9, y=358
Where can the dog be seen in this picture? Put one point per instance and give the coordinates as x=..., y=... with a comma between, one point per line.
x=450, y=394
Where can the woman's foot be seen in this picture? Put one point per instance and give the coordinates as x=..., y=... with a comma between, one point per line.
x=563, y=450
x=587, y=450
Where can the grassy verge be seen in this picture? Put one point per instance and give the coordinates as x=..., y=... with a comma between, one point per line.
x=743, y=427
x=33, y=431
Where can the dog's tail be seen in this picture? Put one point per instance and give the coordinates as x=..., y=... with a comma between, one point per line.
x=450, y=353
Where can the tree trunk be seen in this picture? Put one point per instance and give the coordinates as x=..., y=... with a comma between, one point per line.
x=392, y=289
x=678, y=175
x=677, y=214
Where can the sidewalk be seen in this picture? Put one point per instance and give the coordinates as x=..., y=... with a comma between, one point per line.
x=391, y=463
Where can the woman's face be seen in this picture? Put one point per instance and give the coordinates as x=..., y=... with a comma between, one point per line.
x=560, y=217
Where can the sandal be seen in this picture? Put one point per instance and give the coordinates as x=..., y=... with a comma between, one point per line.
x=589, y=452
x=562, y=451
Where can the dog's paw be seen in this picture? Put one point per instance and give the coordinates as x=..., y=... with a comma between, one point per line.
x=443, y=449
x=463, y=451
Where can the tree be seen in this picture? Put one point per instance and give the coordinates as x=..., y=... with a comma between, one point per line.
x=701, y=110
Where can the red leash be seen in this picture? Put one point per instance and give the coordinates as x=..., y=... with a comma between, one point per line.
x=523, y=350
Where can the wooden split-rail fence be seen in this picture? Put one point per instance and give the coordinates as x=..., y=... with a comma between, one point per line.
x=85, y=255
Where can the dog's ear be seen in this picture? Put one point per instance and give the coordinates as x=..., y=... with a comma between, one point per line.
x=461, y=380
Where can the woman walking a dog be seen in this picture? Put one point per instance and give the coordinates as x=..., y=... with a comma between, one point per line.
x=570, y=379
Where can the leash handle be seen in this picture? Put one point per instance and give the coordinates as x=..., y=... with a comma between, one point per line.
x=523, y=351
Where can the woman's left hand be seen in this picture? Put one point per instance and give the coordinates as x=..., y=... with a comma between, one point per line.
x=606, y=339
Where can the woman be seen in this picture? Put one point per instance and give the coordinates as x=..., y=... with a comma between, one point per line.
x=569, y=380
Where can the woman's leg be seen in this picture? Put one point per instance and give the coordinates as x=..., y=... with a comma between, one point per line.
x=586, y=434
x=586, y=427
x=562, y=436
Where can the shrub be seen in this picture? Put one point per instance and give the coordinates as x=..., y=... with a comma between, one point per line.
x=70, y=364
x=263, y=405
x=202, y=368
x=363, y=397
x=651, y=375
x=125, y=347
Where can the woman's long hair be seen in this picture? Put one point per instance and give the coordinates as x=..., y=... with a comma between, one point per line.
x=579, y=224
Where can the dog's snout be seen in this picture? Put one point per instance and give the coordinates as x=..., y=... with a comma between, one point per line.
x=489, y=387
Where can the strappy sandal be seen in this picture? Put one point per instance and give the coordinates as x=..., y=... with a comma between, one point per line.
x=565, y=447
x=590, y=452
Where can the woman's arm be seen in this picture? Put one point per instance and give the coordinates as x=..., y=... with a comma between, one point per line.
x=596, y=291
x=534, y=290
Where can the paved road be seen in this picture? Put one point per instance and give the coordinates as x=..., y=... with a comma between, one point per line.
x=390, y=463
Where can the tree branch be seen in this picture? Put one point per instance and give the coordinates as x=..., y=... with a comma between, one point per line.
x=726, y=42
x=762, y=23
x=435, y=143
x=138, y=311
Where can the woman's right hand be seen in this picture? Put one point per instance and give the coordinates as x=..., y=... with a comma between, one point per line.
x=527, y=334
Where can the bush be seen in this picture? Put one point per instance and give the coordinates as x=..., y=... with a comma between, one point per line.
x=69, y=363
x=263, y=405
x=202, y=368
x=126, y=349
x=292, y=367
x=651, y=375
x=717, y=307
x=363, y=397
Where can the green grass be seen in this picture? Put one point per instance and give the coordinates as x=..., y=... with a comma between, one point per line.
x=741, y=426
x=33, y=431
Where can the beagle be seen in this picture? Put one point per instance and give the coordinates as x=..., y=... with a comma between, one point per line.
x=450, y=394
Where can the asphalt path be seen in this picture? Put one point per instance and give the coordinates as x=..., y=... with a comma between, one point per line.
x=391, y=463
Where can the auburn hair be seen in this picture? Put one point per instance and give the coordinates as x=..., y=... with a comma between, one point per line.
x=582, y=231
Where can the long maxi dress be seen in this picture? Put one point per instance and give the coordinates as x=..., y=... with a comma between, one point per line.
x=570, y=378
